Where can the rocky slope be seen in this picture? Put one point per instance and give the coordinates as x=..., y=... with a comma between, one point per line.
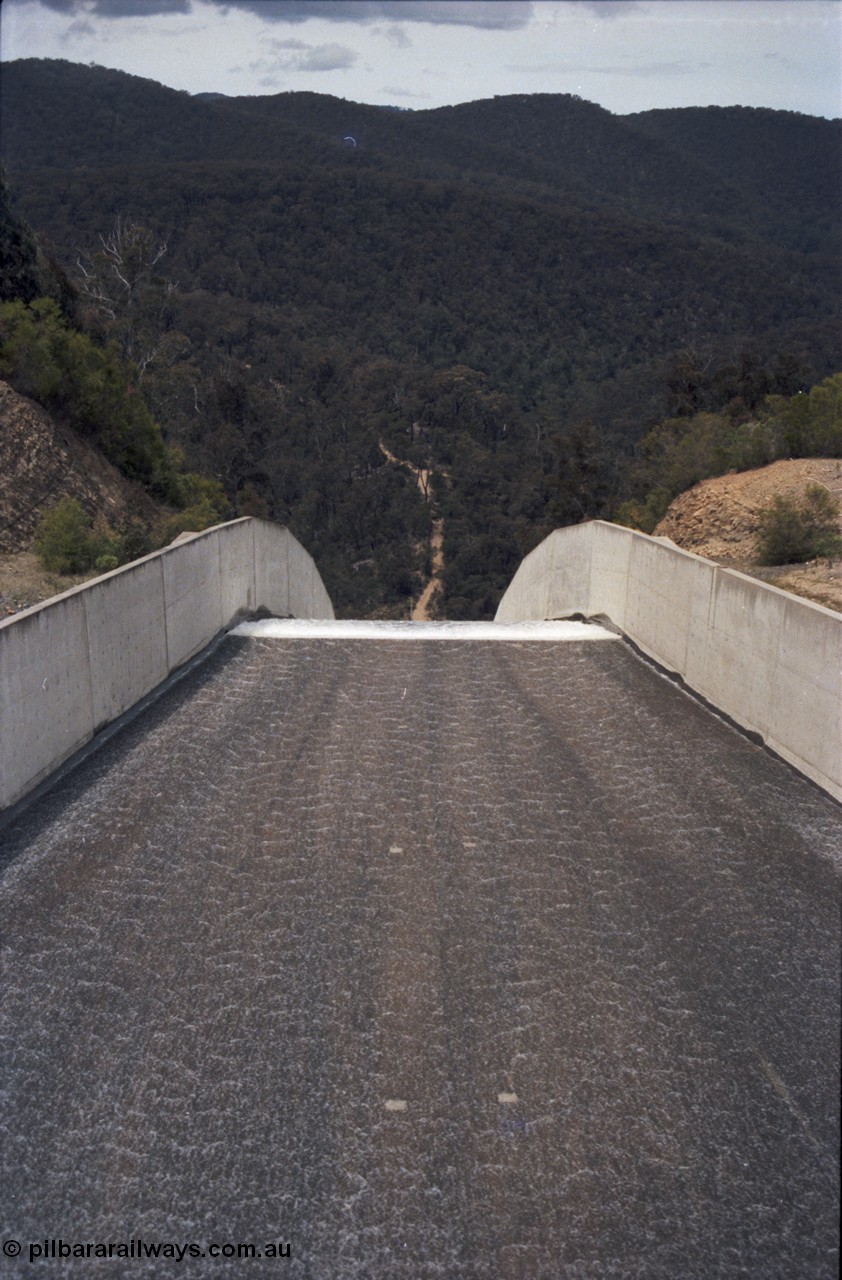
x=719, y=519
x=42, y=462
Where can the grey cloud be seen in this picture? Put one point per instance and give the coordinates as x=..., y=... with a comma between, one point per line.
x=397, y=37
x=118, y=8
x=503, y=15
x=609, y=8
x=81, y=27
x=327, y=57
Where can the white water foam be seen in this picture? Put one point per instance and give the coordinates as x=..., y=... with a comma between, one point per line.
x=313, y=629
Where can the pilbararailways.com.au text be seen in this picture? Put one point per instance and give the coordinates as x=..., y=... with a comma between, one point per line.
x=141, y=1250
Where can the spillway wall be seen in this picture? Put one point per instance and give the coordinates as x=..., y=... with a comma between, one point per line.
x=70, y=666
x=770, y=660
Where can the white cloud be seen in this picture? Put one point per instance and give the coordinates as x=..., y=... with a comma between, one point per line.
x=395, y=91
x=643, y=70
x=297, y=55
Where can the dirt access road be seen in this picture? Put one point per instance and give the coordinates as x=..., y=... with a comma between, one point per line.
x=431, y=959
x=422, y=610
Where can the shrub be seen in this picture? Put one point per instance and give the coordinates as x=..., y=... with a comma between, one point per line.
x=810, y=424
x=792, y=532
x=65, y=540
x=90, y=386
x=134, y=540
x=68, y=541
x=203, y=504
x=644, y=515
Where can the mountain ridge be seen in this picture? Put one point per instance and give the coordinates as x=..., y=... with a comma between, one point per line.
x=515, y=290
x=557, y=140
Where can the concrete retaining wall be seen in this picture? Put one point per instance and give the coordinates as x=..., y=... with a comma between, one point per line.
x=769, y=660
x=73, y=664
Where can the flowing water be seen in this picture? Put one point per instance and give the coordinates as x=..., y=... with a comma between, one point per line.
x=456, y=959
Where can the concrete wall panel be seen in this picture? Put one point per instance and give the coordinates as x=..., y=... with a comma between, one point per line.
x=127, y=641
x=528, y=595
x=668, y=601
x=805, y=721
x=553, y=580
x=74, y=663
x=611, y=551
x=742, y=653
x=770, y=661
x=307, y=596
x=236, y=569
x=570, y=583
x=46, y=710
x=271, y=568
x=193, y=596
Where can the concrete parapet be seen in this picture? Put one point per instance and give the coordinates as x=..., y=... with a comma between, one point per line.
x=611, y=550
x=46, y=705
x=771, y=661
x=126, y=636
x=71, y=665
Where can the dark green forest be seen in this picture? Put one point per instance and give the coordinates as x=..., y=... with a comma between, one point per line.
x=529, y=296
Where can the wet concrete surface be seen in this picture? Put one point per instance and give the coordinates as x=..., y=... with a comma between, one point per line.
x=425, y=960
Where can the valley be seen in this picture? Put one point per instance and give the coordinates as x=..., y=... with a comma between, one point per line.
x=514, y=293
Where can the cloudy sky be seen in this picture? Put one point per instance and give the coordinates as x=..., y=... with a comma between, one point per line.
x=627, y=55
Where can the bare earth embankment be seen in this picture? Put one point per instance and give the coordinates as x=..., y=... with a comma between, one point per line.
x=718, y=518
x=41, y=462
x=24, y=582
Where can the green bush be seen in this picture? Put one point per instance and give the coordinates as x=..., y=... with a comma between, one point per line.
x=203, y=503
x=793, y=532
x=90, y=386
x=644, y=515
x=65, y=540
x=810, y=424
x=134, y=540
x=679, y=452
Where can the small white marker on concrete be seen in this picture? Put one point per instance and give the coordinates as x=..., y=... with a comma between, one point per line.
x=395, y=848
x=469, y=844
x=395, y=1104
x=507, y=1097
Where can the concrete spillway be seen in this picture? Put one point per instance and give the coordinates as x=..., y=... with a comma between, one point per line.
x=426, y=960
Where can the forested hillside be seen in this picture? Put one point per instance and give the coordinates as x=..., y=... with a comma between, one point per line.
x=510, y=293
